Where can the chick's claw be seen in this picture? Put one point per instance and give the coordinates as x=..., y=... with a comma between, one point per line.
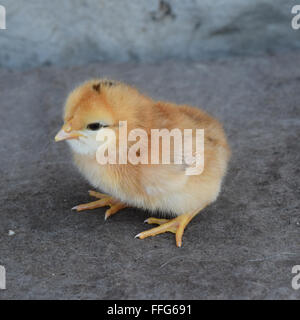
x=105, y=200
x=176, y=225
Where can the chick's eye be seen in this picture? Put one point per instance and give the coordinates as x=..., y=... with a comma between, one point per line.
x=94, y=126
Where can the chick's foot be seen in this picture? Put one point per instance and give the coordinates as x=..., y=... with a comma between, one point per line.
x=105, y=200
x=176, y=225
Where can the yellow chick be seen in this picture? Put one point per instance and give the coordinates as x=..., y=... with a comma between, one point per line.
x=99, y=105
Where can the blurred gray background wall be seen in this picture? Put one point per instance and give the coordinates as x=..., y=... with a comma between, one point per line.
x=75, y=32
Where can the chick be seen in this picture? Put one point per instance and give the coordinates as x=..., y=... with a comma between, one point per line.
x=101, y=104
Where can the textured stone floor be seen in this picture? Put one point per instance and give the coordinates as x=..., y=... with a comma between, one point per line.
x=241, y=247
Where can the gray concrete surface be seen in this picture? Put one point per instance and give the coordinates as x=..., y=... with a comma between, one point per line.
x=75, y=32
x=242, y=247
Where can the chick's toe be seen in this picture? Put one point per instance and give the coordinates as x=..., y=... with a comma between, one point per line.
x=105, y=200
x=114, y=208
x=98, y=194
x=156, y=221
x=176, y=225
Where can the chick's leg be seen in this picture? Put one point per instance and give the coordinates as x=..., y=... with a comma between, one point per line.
x=176, y=225
x=105, y=200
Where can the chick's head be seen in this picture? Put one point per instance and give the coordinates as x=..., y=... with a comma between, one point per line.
x=97, y=105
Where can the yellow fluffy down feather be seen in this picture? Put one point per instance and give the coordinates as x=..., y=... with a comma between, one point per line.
x=99, y=104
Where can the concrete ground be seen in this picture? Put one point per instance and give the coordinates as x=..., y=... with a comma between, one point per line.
x=242, y=247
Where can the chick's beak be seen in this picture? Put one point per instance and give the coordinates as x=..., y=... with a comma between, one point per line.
x=67, y=135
